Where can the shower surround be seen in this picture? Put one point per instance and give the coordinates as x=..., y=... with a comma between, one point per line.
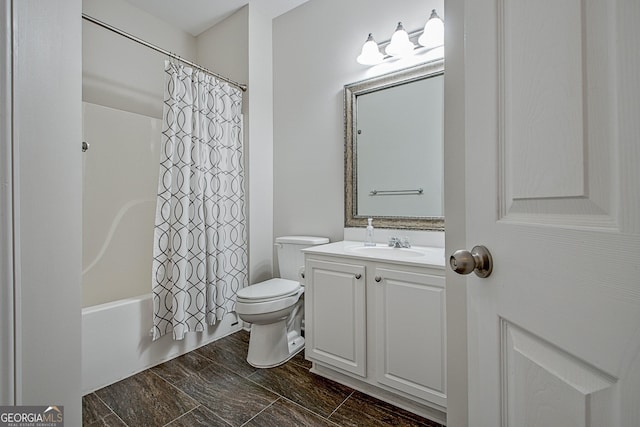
x=120, y=171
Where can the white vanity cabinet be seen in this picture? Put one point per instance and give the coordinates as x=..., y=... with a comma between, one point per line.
x=378, y=324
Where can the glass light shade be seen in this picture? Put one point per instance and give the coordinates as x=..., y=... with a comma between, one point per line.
x=433, y=34
x=370, y=54
x=400, y=44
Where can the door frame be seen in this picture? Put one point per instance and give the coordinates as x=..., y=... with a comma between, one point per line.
x=456, y=212
x=7, y=229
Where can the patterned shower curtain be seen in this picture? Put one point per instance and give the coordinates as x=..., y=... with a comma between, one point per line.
x=200, y=238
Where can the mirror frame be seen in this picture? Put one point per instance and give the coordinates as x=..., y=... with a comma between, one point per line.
x=351, y=92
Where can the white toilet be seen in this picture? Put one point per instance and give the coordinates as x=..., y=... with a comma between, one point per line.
x=275, y=307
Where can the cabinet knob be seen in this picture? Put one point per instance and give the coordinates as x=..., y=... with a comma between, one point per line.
x=378, y=279
x=358, y=276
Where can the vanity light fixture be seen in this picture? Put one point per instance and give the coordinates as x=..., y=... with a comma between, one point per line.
x=433, y=34
x=400, y=45
x=370, y=54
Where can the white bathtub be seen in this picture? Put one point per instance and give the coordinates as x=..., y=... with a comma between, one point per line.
x=116, y=342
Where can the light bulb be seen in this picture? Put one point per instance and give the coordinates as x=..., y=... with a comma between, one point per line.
x=400, y=44
x=370, y=54
x=433, y=34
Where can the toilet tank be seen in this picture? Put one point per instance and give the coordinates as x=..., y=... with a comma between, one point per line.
x=290, y=256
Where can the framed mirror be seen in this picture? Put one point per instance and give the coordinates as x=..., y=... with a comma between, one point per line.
x=394, y=149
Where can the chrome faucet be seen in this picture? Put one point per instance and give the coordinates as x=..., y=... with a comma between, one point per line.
x=397, y=242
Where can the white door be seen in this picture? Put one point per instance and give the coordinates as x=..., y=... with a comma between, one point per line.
x=552, y=189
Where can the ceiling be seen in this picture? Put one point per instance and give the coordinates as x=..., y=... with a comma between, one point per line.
x=196, y=16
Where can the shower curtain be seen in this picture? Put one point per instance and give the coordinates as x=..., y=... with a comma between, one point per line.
x=200, y=237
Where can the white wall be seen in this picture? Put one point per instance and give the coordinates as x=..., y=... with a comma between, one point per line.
x=315, y=46
x=224, y=48
x=47, y=137
x=120, y=73
x=240, y=47
x=260, y=130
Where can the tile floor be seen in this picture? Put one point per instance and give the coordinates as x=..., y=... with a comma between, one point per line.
x=215, y=386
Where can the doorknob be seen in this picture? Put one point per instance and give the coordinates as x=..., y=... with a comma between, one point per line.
x=478, y=260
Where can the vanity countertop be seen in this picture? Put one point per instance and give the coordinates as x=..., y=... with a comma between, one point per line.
x=416, y=255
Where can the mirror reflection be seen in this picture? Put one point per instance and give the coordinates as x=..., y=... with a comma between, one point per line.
x=394, y=149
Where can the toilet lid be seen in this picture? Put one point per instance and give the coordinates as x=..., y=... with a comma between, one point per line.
x=269, y=289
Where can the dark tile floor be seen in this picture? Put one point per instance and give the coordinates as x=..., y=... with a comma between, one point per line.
x=215, y=386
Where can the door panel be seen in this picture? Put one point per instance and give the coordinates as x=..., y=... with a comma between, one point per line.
x=550, y=92
x=543, y=127
x=556, y=112
x=544, y=386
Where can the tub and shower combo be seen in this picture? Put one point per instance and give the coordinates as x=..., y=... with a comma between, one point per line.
x=164, y=224
x=120, y=171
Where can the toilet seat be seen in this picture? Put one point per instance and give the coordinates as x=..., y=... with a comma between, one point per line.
x=268, y=297
x=268, y=290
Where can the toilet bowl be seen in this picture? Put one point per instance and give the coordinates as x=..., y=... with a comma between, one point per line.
x=269, y=306
x=275, y=307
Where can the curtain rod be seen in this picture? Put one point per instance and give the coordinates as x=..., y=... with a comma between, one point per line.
x=159, y=49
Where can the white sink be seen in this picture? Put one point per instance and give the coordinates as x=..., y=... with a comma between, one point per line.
x=387, y=251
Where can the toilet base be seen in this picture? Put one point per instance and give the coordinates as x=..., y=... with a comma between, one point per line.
x=271, y=345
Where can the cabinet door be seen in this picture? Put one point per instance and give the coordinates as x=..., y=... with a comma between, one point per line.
x=335, y=315
x=410, y=333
